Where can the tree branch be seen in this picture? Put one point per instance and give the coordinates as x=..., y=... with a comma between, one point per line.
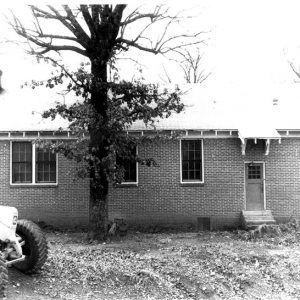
x=36, y=37
x=59, y=37
x=154, y=16
x=136, y=45
x=61, y=48
x=78, y=30
x=63, y=68
x=95, y=15
x=294, y=70
x=88, y=19
x=40, y=13
x=82, y=38
x=165, y=42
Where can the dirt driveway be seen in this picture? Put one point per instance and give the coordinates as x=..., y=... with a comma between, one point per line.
x=212, y=265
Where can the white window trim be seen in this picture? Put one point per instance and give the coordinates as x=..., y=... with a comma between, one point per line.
x=202, y=163
x=137, y=172
x=33, y=183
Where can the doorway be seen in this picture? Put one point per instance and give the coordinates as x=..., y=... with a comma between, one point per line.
x=254, y=186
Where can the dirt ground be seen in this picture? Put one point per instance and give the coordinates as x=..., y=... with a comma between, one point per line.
x=208, y=265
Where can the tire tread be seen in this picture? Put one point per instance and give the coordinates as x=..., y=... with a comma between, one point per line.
x=40, y=245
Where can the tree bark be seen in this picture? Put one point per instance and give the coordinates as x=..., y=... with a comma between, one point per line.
x=99, y=147
x=99, y=52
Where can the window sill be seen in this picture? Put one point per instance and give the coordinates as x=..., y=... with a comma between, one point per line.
x=34, y=185
x=125, y=185
x=190, y=184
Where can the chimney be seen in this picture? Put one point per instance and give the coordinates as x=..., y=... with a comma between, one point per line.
x=275, y=102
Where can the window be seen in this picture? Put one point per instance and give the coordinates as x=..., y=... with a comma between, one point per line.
x=32, y=165
x=191, y=161
x=254, y=172
x=45, y=165
x=130, y=167
x=21, y=162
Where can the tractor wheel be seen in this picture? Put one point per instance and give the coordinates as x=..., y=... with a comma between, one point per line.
x=3, y=278
x=35, y=248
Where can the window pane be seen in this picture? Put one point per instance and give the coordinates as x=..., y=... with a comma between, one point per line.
x=191, y=155
x=254, y=172
x=198, y=145
x=21, y=162
x=191, y=164
x=185, y=146
x=185, y=165
x=185, y=155
x=191, y=174
x=198, y=155
x=45, y=165
x=185, y=175
x=53, y=177
x=130, y=167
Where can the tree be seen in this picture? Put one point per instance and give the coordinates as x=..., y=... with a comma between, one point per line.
x=190, y=63
x=191, y=66
x=99, y=33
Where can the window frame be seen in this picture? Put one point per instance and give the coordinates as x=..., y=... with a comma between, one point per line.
x=202, y=162
x=135, y=183
x=33, y=168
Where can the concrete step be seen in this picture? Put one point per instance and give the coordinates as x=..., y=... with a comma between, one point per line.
x=269, y=216
x=260, y=222
x=257, y=212
x=268, y=220
x=256, y=218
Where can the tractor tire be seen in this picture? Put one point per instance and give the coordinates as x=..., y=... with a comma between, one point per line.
x=35, y=248
x=3, y=278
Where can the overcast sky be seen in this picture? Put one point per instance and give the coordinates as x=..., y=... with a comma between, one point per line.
x=249, y=41
x=248, y=47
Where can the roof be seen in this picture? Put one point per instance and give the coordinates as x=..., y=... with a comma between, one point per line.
x=260, y=109
x=21, y=109
x=207, y=107
x=264, y=132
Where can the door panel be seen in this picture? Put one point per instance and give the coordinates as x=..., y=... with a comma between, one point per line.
x=254, y=175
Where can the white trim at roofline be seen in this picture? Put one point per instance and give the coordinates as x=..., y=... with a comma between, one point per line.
x=35, y=134
x=190, y=133
x=212, y=133
x=185, y=133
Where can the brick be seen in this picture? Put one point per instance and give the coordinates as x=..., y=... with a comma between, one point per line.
x=160, y=198
x=64, y=205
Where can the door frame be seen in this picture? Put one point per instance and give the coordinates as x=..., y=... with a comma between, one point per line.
x=264, y=181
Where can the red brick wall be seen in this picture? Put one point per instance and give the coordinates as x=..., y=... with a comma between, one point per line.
x=160, y=198
x=63, y=205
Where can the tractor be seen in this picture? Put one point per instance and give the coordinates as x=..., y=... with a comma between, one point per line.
x=23, y=245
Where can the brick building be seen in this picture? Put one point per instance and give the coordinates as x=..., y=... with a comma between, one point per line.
x=228, y=183
x=41, y=185
x=229, y=158
x=232, y=156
